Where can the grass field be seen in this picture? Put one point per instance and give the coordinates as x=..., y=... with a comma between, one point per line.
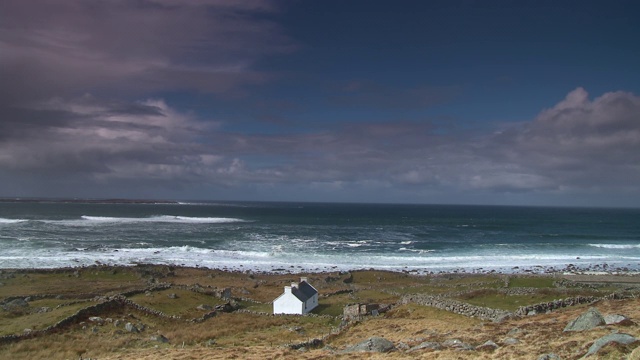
x=256, y=335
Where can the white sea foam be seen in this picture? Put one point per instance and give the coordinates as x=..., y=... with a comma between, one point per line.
x=616, y=246
x=11, y=221
x=421, y=261
x=162, y=219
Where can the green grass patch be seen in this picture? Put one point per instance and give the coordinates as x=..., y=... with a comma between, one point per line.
x=531, y=281
x=16, y=322
x=184, y=305
x=493, y=299
x=66, y=283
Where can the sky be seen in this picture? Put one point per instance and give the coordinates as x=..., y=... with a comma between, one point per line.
x=530, y=102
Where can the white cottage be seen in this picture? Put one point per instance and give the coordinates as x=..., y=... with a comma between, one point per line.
x=299, y=298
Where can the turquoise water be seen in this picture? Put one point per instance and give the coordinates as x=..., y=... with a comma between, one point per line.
x=317, y=237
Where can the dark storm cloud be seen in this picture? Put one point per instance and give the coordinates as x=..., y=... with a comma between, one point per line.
x=79, y=109
x=57, y=48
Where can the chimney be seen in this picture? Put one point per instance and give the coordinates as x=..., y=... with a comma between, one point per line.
x=304, y=279
x=294, y=284
x=287, y=289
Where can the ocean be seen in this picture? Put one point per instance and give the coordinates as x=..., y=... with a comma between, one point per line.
x=296, y=237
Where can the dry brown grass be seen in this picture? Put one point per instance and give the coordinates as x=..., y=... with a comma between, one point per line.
x=251, y=336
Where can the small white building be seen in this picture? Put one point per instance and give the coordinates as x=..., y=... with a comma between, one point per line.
x=299, y=298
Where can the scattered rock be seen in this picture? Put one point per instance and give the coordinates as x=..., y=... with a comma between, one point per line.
x=160, y=338
x=172, y=296
x=586, y=321
x=511, y=341
x=42, y=310
x=15, y=304
x=296, y=329
x=211, y=342
x=428, y=345
x=373, y=344
x=514, y=331
x=131, y=328
x=624, y=339
x=487, y=346
x=616, y=319
x=96, y=319
x=117, y=323
x=204, y=307
x=457, y=344
x=549, y=356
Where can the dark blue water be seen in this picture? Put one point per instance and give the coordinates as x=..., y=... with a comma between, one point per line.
x=304, y=236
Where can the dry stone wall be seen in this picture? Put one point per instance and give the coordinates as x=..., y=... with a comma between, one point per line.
x=457, y=307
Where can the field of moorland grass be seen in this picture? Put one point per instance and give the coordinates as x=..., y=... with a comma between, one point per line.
x=73, y=282
x=259, y=336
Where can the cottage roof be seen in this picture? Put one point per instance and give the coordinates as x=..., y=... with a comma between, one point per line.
x=303, y=291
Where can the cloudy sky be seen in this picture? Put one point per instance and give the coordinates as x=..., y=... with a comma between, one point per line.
x=529, y=102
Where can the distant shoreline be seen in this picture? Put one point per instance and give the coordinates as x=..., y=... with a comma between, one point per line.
x=87, y=201
x=583, y=275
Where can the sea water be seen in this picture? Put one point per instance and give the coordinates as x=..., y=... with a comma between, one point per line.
x=295, y=237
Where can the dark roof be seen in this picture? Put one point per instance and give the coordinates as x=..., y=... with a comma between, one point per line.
x=304, y=291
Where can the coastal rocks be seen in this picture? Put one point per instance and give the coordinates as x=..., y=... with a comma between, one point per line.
x=586, y=321
x=624, y=339
x=372, y=344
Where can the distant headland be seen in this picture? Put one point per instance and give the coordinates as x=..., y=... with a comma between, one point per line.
x=87, y=201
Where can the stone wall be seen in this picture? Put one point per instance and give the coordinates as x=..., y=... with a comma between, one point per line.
x=545, y=307
x=457, y=307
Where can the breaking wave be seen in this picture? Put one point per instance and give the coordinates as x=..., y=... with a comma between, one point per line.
x=616, y=246
x=163, y=219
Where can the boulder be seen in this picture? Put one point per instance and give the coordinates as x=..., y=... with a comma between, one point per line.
x=457, y=344
x=160, y=338
x=511, y=341
x=96, y=319
x=372, y=344
x=624, y=339
x=131, y=328
x=549, y=356
x=427, y=345
x=617, y=319
x=587, y=321
x=487, y=346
